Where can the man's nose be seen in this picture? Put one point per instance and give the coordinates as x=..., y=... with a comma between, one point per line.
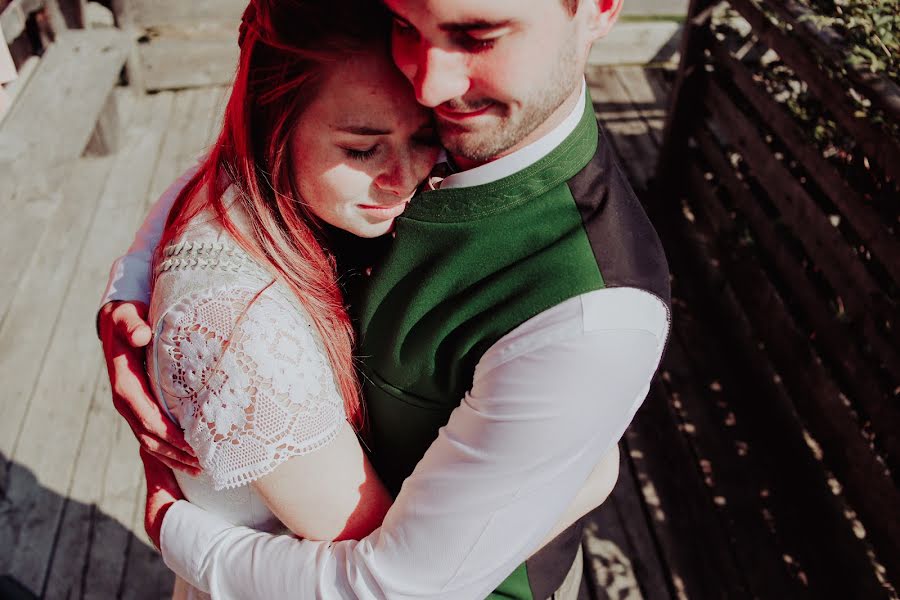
x=440, y=76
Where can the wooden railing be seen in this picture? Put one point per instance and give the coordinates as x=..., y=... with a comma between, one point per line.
x=806, y=257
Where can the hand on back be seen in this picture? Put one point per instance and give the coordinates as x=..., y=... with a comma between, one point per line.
x=124, y=333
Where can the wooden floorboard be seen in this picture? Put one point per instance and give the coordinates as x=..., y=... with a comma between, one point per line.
x=62, y=394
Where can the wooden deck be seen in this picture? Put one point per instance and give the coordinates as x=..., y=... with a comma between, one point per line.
x=71, y=523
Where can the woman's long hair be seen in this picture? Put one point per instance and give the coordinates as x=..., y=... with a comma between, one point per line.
x=287, y=49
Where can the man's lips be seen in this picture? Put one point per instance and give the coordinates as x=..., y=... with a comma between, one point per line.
x=461, y=115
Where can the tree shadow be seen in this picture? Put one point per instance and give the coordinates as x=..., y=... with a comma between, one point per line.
x=52, y=546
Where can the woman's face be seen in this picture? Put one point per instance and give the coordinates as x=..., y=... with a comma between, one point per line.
x=363, y=146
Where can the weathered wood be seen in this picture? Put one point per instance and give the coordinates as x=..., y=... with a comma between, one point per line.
x=734, y=482
x=623, y=123
x=154, y=13
x=865, y=302
x=77, y=532
x=34, y=303
x=881, y=91
x=880, y=147
x=866, y=484
x=835, y=337
x=621, y=557
x=865, y=221
x=184, y=58
x=71, y=361
x=801, y=504
x=695, y=550
x=23, y=76
x=79, y=69
x=15, y=15
x=641, y=43
x=105, y=139
x=685, y=96
x=26, y=335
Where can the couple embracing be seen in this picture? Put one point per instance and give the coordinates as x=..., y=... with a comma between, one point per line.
x=398, y=318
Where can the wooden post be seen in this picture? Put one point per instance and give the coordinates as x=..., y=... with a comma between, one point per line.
x=683, y=102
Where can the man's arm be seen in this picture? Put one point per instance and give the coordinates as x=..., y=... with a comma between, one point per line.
x=123, y=331
x=546, y=404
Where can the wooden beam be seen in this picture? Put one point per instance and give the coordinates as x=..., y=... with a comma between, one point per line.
x=881, y=148
x=79, y=70
x=865, y=302
x=865, y=481
x=867, y=223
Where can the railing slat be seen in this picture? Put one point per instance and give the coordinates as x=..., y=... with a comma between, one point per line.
x=879, y=146
x=867, y=223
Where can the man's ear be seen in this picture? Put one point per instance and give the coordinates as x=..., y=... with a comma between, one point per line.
x=603, y=15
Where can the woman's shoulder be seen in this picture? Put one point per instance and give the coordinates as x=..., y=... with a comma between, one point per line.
x=241, y=369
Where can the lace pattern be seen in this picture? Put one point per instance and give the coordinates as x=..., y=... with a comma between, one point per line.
x=243, y=373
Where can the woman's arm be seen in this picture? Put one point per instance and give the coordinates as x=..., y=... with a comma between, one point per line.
x=330, y=494
x=243, y=373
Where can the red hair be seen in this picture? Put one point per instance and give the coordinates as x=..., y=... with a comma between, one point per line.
x=287, y=47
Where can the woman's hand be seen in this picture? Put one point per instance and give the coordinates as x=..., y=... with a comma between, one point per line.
x=124, y=333
x=162, y=492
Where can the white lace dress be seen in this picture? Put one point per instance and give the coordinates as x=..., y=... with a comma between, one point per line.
x=236, y=362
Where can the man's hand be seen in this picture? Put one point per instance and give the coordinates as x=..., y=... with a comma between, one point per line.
x=162, y=492
x=124, y=332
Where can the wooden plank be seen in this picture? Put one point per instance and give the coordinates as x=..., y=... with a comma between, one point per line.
x=686, y=93
x=223, y=93
x=24, y=337
x=185, y=58
x=865, y=221
x=106, y=561
x=878, y=145
x=858, y=375
x=648, y=97
x=734, y=482
x=61, y=396
x=176, y=12
x=78, y=533
x=26, y=210
x=35, y=304
x=865, y=483
x=637, y=43
x=881, y=91
x=79, y=69
x=624, y=124
x=15, y=15
x=865, y=302
x=14, y=88
x=621, y=556
x=169, y=166
x=694, y=547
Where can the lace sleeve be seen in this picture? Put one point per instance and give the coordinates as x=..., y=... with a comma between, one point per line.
x=245, y=376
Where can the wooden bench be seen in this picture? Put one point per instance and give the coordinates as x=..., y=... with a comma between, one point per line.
x=786, y=273
x=67, y=105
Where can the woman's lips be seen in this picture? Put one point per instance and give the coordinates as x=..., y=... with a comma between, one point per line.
x=384, y=212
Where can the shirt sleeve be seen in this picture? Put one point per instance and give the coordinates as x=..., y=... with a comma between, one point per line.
x=547, y=401
x=242, y=372
x=129, y=276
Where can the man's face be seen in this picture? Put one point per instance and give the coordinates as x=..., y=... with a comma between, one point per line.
x=496, y=72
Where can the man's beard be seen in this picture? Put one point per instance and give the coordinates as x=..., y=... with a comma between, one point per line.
x=485, y=143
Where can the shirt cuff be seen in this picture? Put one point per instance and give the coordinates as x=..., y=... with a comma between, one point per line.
x=186, y=536
x=129, y=280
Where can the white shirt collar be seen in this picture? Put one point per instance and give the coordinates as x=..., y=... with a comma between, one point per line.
x=522, y=158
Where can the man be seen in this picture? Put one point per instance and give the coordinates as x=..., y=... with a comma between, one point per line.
x=522, y=310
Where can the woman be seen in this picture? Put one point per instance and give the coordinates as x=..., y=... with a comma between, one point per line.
x=252, y=350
